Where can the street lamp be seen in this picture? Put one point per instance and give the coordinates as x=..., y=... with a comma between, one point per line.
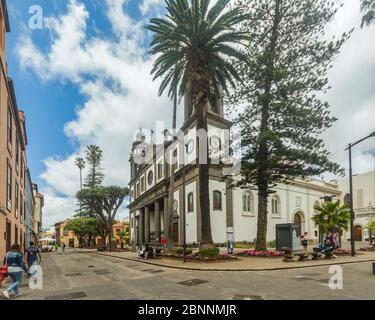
x=351, y=145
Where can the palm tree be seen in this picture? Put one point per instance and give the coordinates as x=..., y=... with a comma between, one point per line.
x=80, y=163
x=332, y=216
x=195, y=45
x=368, y=10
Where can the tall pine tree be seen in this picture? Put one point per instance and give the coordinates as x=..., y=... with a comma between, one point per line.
x=95, y=176
x=279, y=106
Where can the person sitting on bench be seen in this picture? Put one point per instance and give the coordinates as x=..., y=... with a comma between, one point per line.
x=327, y=248
x=148, y=252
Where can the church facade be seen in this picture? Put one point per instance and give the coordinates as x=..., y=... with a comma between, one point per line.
x=232, y=211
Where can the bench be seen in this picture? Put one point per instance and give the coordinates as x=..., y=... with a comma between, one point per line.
x=317, y=256
x=157, y=249
x=290, y=255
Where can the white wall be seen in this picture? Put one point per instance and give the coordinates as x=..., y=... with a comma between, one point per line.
x=245, y=226
x=218, y=218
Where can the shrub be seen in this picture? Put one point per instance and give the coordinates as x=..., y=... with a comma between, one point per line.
x=272, y=244
x=181, y=251
x=209, y=252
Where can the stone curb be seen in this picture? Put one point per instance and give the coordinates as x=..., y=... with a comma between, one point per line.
x=234, y=270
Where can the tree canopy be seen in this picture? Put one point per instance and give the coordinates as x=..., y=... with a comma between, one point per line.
x=368, y=11
x=332, y=216
x=280, y=105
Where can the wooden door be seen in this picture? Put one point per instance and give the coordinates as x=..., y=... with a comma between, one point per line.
x=358, y=233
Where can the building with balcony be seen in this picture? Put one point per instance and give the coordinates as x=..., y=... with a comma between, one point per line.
x=38, y=210
x=363, y=202
x=30, y=210
x=13, y=163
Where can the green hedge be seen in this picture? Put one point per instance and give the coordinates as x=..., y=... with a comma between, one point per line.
x=209, y=252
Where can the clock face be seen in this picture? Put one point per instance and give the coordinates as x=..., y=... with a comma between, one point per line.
x=215, y=142
x=190, y=146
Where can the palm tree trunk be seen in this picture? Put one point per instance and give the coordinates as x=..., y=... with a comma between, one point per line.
x=204, y=192
x=171, y=181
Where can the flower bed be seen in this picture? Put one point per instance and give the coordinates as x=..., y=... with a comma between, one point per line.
x=198, y=258
x=368, y=249
x=262, y=254
x=342, y=252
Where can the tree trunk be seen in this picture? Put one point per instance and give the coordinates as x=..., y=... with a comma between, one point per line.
x=110, y=236
x=261, y=241
x=204, y=192
x=170, y=239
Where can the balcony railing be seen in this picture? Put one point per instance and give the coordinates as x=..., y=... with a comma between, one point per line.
x=368, y=211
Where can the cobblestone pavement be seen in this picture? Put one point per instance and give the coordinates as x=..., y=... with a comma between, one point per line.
x=81, y=275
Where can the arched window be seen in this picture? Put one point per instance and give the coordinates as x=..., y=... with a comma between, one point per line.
x=217, y=197
x=190, y=201
x=248, y=202
x=276, y=206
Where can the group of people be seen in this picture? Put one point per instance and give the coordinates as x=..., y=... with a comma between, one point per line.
x=146, y=251
x=330, y=243
x=14, y=267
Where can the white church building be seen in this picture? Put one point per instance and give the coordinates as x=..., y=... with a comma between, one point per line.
x=231, y=210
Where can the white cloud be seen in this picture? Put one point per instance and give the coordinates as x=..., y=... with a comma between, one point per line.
x=148, y=6
x=114, y=77
x=352, y=97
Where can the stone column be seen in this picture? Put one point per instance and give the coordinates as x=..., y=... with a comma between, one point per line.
x=157, y=221
x=229, y=199
x=166, y=217
x=147, y=225
x=140, y=227
x=132, y=230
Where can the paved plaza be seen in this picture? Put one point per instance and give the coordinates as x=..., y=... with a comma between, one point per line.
x=83, y=275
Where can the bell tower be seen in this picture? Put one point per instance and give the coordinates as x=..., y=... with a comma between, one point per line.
x=215, y=105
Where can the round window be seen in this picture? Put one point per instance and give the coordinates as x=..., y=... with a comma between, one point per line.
x=150, y=178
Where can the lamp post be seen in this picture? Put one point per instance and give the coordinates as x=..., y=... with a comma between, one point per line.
x=352, y=216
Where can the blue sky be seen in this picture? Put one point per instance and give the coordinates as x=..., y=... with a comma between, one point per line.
x=85, y=78
x=49, y=106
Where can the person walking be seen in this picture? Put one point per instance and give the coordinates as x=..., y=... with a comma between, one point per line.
x=305, y=241
x=32, y=255
x=14, y=261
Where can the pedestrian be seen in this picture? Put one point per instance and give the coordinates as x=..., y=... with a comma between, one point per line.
x=163, y=241
x=32, y=255
x=63, y=246
x=305, y=241
x=335, y=239
x=15, y=265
